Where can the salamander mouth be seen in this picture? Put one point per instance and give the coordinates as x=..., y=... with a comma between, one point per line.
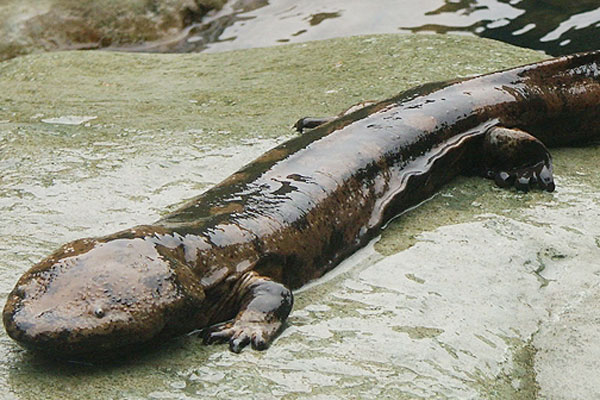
x=87, y=336
x=65, y=342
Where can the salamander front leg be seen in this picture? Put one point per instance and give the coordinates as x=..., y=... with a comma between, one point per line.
x=264, y=307
x=513, y=157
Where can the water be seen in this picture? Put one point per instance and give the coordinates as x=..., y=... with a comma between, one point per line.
x=553, y=26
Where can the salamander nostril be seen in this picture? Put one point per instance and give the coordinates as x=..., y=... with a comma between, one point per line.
x=99, y=312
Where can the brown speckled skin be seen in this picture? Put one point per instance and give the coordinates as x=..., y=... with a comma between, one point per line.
x=293, y=213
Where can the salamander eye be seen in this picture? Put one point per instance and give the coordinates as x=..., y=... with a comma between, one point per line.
x=99, y=312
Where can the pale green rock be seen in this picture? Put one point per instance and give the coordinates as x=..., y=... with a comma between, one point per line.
x=478, y=293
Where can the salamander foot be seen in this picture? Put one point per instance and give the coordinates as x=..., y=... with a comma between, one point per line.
x=241, y=333
x=516, y=158
x=310, y=123
x=524, y=179
x=264, y=307
x=313, y=122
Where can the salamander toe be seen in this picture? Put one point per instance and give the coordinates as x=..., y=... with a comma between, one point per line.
x=513, y=157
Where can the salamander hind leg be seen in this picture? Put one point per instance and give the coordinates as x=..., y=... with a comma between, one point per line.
x=313, y=122
x=264, y=307
x=512, y=157
x=310, y=123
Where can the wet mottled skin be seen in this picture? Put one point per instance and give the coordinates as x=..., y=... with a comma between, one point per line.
x=297, y=211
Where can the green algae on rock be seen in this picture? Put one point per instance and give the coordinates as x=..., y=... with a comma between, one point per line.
x=226, y=92
x=169, y=126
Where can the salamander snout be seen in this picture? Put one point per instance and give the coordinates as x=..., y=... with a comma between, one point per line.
x=87, y=299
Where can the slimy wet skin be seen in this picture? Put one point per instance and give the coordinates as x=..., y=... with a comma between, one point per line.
x=228, y=260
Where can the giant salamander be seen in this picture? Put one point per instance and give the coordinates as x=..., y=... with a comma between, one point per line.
x=229, y=259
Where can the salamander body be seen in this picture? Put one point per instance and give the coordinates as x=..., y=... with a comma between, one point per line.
x=229, y=258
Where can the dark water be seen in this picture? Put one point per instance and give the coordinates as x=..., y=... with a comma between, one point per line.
x=553, y=26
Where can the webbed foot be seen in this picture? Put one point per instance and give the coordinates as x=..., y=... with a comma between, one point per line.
x=516, y=158
x=525, y=179
x=239, y=334
x=264, y=307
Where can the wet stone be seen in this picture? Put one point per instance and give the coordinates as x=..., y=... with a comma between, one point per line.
x=447, y=303
x=46, y=25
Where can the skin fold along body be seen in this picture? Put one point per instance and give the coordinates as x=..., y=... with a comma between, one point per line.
x=228, y=259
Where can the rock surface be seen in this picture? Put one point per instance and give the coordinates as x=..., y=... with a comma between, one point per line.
x=43, y=25
x=478, y=293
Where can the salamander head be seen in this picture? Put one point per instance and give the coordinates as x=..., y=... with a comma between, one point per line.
x=91, y=297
